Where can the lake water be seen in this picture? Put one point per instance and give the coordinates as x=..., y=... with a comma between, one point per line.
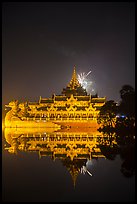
x=43, y=165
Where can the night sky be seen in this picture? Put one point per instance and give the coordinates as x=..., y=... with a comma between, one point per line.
x=42, y=42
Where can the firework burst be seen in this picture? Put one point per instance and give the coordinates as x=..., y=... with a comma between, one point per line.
x=84, y=81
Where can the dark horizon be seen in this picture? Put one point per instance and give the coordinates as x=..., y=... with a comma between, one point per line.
x=43, y=41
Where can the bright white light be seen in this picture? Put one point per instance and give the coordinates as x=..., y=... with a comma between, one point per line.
x=84, y=170
x=89, y=163
x=86, y=83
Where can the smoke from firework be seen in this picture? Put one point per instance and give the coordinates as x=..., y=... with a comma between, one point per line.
x=86, y=83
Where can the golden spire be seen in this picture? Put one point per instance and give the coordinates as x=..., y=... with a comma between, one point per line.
x=74, y=81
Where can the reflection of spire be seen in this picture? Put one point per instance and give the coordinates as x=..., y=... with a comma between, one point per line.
x=74, y=81
x=74, y=173
x=74, y=167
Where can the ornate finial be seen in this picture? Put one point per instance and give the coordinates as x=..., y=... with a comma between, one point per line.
x=74, y=69
x=74, y=81
x=74, y=73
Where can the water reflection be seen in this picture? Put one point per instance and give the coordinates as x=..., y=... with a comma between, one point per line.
x=81, y=158
x=75, y=148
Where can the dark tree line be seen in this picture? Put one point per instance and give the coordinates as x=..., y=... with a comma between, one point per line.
x=119, y=117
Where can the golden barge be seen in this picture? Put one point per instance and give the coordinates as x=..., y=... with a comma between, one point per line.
x=73, y=108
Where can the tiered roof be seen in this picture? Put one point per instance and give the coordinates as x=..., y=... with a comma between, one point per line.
x=74, y=87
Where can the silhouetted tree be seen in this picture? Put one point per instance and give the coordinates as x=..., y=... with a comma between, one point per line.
x=127, y=104
x=109, y=152
x=107, y=115
x=128, y=155
x=125, y=126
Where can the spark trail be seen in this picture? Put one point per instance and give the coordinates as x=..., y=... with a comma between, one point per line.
x=86, y=83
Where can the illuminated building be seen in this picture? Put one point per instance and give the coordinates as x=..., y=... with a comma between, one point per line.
x=74, y=107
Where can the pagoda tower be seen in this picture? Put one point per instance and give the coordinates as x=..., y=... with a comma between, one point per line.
x=74, y=87
x=74, y=81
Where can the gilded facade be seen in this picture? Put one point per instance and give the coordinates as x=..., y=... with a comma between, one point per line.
x=74, y=107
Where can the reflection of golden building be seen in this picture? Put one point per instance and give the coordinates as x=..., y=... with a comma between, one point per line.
x=73, y=108
x=72, y=148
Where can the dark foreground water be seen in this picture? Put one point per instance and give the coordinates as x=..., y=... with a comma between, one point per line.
x=71, y=166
